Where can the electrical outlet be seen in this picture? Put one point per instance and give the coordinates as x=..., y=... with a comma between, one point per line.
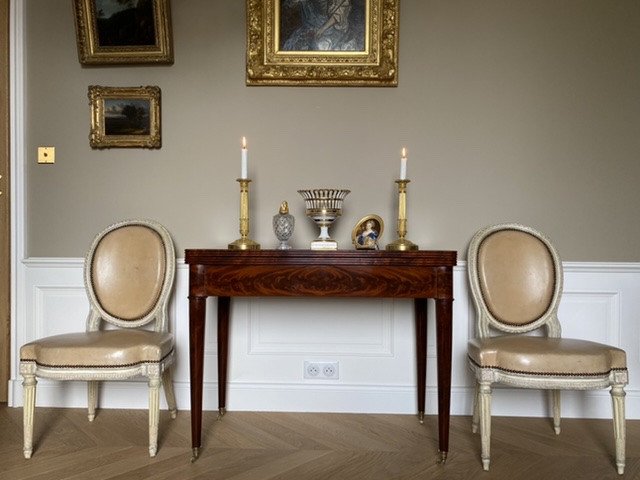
x=321, y=370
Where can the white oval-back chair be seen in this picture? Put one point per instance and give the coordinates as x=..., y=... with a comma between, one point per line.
x=128, y=275
x=516, y=279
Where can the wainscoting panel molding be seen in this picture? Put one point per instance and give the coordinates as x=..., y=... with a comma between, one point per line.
x=371, y=339
x=52, y=306
x=321, y=330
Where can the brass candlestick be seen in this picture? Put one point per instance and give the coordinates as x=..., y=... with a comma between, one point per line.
x=402, y=244
x=244, y=242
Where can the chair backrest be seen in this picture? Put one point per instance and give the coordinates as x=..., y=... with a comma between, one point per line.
x=515, y=276
x=128, y=274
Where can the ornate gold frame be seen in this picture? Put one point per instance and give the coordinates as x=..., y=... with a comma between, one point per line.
x=377, y=65
x=90, y=52
x=99, y=139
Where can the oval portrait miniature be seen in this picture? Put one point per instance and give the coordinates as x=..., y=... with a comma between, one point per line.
x=367, y=232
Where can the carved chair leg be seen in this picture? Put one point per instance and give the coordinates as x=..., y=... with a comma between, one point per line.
x=28, y=409
x=617, y=397
x=167, y=383
x=92, y=399
x=555, y=405
x=484, y=398
x=476, y=401
x=154, y=413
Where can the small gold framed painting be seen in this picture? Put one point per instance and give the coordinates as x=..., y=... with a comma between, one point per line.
x=125, y=117
x=367, y=232
x=112, y=32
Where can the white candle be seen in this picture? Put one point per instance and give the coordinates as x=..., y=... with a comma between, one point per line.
x=403, y=164
x=243, y=165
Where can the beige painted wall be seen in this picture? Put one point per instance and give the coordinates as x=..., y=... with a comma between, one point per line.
x=512, y=110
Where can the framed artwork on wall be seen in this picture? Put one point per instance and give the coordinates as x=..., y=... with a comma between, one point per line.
x=322, y=42
x=125, y=117
x=123, y=31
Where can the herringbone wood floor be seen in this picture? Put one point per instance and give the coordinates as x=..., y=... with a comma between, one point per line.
x=305, y=446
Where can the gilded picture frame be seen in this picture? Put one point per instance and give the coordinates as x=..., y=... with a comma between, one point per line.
x=322, y=42
x=367, y=232
x=125, y=117
x=111, y=32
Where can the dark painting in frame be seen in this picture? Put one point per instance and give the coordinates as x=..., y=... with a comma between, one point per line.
x=125, y=117
x=322, y=26
x=322, y=42
x=123, y=31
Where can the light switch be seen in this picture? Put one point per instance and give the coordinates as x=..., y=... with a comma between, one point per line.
x=46, y=154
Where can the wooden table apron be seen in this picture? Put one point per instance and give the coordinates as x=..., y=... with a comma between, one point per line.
x=418, y=275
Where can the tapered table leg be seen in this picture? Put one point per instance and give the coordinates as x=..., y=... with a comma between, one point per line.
x=223, y=352
x=197, y=310
x=420, y=312
x=444, y=341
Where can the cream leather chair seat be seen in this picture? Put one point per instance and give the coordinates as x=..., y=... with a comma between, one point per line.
x=104, y=349
x=546, y=356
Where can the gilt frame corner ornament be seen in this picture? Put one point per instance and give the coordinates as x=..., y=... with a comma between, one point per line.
x=115, y=32
x=322, y=42
x=124, y=117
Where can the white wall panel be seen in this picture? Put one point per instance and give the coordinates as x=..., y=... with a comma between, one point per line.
x=320, y=327
x=591, y=316
x=373, y=340
x=52, y=305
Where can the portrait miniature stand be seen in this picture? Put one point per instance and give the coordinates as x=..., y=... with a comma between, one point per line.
x=244, y=242
x=402, y=244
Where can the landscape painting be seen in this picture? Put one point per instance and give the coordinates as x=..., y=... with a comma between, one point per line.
x=123, y=31
x=125, y=117
x=125, y=22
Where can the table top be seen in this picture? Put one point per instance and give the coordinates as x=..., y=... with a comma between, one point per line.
x=416, y=258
